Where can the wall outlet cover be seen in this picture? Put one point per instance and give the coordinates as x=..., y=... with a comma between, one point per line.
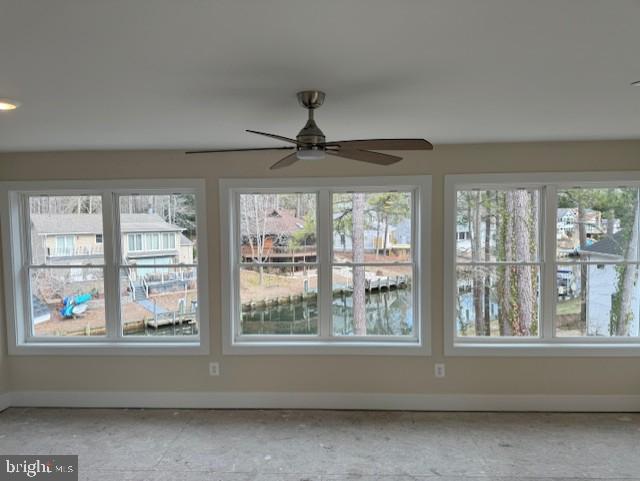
x=214, y=369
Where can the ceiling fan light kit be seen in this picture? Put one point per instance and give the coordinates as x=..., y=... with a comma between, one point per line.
x=311, y=144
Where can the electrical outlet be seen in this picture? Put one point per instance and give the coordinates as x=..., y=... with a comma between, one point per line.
x=214, y=369
x=439, y=370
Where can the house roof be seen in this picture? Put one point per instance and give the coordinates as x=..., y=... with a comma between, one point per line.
x=562, y=211
x=185, y=241
x=590, y=214
x=609, y=246
x=278, y=222
x=92, y=223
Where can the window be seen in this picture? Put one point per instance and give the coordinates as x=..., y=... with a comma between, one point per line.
x=151, y=241
x=64, y=246
x=135, y=242
x=90, y=283
x=497, y=266
x=372, y=266
x=549, y=265
x=325, y=265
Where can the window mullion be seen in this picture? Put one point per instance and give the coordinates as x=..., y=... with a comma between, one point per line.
x=25, y=248
x=324, y=260
x=110, y=229
x=548, y=291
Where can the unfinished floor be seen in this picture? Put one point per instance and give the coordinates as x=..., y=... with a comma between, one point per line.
x=194, y=445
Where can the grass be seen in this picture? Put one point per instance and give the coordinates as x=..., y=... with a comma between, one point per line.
x=568, y=307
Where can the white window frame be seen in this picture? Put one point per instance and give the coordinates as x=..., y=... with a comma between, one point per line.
x=325, y=342
x=547, y=344
x=15, y=247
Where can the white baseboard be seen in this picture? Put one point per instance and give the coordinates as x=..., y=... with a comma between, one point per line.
x=324, y=400
x=5, y=401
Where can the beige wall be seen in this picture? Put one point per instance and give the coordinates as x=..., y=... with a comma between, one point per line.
x=328, y=373
x=4, y=359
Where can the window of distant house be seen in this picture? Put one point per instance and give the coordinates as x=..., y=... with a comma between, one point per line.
x=325, y=263
x=546, y=263
x=89, y=269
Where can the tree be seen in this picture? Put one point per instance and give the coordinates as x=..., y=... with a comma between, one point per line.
x=388, y=208
x=359, y=279
x=488, y=202
x=478, y=206
x=254, y=212
x=505, y=309
x=342, y=219
x=622, y=312
x=473, y=213
x=517, y=280
x=306, y=235
x=525, y=322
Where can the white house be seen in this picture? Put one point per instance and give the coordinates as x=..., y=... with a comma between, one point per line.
x=602, y=284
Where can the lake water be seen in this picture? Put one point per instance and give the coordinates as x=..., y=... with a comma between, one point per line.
x=387, y=313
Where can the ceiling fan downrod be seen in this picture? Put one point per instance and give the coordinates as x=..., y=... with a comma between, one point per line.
x=310, y=139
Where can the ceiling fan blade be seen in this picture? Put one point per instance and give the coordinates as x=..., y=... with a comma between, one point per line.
x=285, y=162
x=383, y=144
x=274, y=136
x=237, y=150
x=366, y=156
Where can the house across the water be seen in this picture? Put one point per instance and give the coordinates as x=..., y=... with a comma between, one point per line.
x=147, y=240
x=271, y=239
x=602, y=284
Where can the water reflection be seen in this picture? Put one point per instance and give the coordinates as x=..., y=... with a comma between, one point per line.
x=387, y=313
x=299, y=317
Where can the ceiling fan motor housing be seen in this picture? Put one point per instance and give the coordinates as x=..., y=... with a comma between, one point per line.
x=311, y=135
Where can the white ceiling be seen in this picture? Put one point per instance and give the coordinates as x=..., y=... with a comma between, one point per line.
x=195, y=73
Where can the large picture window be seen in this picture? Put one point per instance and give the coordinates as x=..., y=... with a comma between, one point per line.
x=103, y=267
x=538, y=264
x=325, y=265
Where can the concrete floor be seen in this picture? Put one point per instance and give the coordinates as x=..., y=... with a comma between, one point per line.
x=198, y=445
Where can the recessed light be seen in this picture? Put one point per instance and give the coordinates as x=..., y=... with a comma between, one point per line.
x=8, y=104
x=636, y=83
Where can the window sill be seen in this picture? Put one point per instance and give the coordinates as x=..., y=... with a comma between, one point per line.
x=360, y=348
x=555, y=349
x=109, y=349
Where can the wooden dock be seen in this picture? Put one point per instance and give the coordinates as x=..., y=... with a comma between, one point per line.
x=171, y=319
x=379, y=283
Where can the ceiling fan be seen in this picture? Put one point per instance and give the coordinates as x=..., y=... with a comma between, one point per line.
x=310, y=143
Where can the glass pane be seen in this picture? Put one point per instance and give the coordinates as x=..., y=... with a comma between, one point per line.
x=66, y=229
x=278, y=227
x=372, y=227
x=159, y=301
x=160, y=227
x=67, y=302
x=279, y=300
x=598, y=300
x=497, y=300
x=372, y=301
x=598, y=224
x=497, y=225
